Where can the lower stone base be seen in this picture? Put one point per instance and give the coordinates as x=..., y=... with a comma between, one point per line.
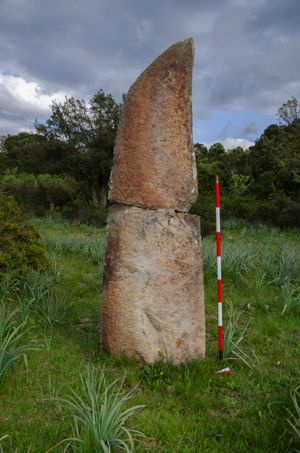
x=153, y=298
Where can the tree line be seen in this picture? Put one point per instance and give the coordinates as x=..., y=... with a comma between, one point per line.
x=64, y=167
x=261, y=184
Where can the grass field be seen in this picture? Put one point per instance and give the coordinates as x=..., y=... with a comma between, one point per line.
x=188, y=408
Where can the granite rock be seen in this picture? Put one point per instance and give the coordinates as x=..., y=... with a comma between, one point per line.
x=154, y=164
x=153, y=300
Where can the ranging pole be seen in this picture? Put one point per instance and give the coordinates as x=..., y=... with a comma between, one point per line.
x=219, y=268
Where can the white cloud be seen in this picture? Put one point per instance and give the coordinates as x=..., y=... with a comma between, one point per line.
x=29, y=95
x=246, y=52
x=230, y=142
x=22, y=101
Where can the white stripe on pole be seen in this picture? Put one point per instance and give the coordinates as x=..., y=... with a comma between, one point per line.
x=219, y=267
x=218, y=220
x=220, y=314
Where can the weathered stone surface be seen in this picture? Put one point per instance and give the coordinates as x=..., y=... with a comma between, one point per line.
x=154, y=163
x=153, y=305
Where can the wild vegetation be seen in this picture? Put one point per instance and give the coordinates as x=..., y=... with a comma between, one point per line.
x=20, y=245
x=70, y=395
x=65, y=166
x=58, y=390
x=260, y=185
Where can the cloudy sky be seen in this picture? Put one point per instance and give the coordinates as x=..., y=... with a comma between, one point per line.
x=246, y=64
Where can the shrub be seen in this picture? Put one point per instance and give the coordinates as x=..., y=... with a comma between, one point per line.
x=20, y=244
x=39, y=193
x=84, y=212
x=99, y=415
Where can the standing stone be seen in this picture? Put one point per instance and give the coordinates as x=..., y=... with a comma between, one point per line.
x=154, y=164
x=153, y=303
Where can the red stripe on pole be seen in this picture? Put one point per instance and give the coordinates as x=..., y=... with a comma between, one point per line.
x=217, y=193
x=218, y=239
x=219, y=269
x=219, y=290
x=220, y=338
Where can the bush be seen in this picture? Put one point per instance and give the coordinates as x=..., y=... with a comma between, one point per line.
x=83, y=212
x=279, y=210
x=39, y=193
x=20, y=244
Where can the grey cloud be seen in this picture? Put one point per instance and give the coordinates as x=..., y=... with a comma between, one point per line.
x=11, y=125
x=246, y=51
x=226, y=131
x=251, y=129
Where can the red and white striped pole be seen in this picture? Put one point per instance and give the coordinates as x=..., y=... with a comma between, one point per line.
x=219, y=268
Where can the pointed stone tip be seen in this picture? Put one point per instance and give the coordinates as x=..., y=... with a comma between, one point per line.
x=187, y=42
x=154, y=165
x=184, y=47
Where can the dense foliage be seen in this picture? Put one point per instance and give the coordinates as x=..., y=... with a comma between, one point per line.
x=39, y=193
x=20, y=245
x=65, y=167
x=261, y=184
x=67, y=162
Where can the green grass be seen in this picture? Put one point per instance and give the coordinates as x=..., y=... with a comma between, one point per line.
x=294, y=418
x=12, y=344
x=188, y=408
x=99, y=417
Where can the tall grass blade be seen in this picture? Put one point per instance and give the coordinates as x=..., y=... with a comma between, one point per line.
x=100, y=415
x=290, y=297
x=40, y=298
x=12, y=333
x=294, y=419
x=232, y=341
x=282, y=267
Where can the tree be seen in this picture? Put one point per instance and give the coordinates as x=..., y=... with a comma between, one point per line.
x=69, y=122
x=33, y=153
x=289, y=111
x=87, y=130
x=200, y=150
x=217, y=149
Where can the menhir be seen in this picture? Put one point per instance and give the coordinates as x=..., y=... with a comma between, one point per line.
x=153, y=298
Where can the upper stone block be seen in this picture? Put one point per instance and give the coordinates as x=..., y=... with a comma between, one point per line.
x=154, y=164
